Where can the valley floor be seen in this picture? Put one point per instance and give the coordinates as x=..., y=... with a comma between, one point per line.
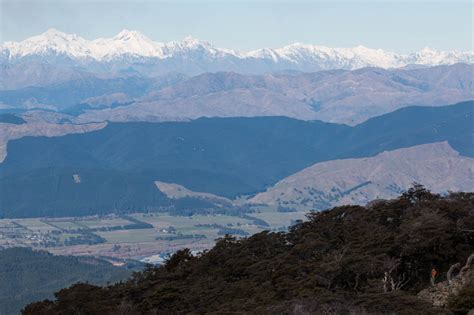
x=136, y=236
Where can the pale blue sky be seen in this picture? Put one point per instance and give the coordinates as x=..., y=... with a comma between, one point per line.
x=400, y=26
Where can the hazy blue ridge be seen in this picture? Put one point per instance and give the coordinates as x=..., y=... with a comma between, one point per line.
x=224, y=156
x=10, y=118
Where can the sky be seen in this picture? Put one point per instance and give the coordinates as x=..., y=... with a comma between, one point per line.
x=399, y=26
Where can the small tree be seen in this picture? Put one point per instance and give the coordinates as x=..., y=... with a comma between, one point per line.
x=179, y=258
x=418, y=193
x=393, y=279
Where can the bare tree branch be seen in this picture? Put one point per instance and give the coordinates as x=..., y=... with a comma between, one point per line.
x=449, y=275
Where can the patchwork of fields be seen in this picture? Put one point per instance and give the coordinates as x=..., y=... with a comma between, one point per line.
x=138, y=235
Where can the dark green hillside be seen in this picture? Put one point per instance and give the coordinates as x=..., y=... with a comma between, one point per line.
x=417, y=125
x=27, y=275
x=224, y=156
x=53, y=192
x=333, y=264
x=11, y=119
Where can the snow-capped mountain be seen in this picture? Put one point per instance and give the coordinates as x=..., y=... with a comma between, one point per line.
x=331, y=58
x=125, y=43
x=134, y=44
x=54, y=57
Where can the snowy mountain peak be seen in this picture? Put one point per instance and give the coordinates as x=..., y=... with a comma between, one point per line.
x=52, y=42
x=52, y=32
x=192, y=41
x=429, y=52
x=126, y=35
x=427, y=49
x=130, y=45
x=53, y=36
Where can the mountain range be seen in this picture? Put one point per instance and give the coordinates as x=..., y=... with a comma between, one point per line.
x=62, y=55
x=132, y=117
x=341, y=96
x=133, y=44
x=120, y=163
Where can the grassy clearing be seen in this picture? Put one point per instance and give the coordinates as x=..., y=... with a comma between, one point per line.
x=129, y=236
x=103, y=222
x=65, y=225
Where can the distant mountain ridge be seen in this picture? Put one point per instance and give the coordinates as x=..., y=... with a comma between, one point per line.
x=133, y=51
x=120, y=163
x=358, y=181
x=134, y=44
x=340, y=96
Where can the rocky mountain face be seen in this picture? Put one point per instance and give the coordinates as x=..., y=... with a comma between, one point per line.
x=55, y=55
x=358, y=181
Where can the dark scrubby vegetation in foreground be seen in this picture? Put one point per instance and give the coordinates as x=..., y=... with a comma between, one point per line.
x=334, y=263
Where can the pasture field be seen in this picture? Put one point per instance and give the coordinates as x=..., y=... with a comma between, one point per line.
x=35, y=225
x=129, y=236
x=65, y=225
x=101, y=222
x=165, y=220
x=120, y=236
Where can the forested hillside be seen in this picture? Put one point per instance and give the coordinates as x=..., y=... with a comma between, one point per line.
x=117, y=165
x=27, y=275
x=348, y=260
